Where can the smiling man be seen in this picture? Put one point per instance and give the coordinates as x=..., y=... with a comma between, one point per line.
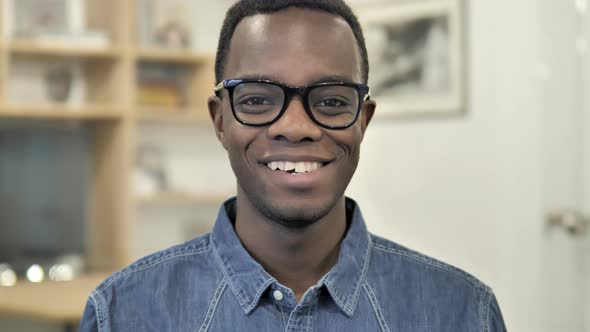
x=290, y=252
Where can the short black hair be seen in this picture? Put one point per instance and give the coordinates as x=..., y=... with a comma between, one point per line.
x=245, y=8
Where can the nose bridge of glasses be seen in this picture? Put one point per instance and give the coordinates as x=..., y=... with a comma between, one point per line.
x=297, y=96
x=295, y=123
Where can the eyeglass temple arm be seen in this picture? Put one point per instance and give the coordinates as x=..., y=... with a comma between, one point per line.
x=219, y=87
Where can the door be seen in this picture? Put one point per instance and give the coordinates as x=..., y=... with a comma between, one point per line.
x=564, y=89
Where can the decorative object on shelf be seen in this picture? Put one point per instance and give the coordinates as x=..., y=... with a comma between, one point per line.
x=173, y=35
x=52, y=22
x=166, y=23
x=59, y=80
x=47, y=81
x=150, y=172
x=162, y=85
x=416, y=56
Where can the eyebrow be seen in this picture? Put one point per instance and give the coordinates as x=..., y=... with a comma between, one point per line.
x=323, y=79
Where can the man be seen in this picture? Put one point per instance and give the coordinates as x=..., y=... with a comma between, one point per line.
x=290, y=252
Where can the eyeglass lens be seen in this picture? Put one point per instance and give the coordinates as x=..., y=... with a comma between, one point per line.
x=331, y=105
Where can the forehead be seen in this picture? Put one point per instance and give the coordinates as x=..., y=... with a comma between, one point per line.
x=294, y=46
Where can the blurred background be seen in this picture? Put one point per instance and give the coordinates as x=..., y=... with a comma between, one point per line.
x=479, y=154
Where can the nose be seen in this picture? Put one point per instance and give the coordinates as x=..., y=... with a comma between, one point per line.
x=295, y=125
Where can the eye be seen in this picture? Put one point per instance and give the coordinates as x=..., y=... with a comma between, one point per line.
x=255, y=101
x=332, y=102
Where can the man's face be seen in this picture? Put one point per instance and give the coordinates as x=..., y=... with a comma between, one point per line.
x=295, y=47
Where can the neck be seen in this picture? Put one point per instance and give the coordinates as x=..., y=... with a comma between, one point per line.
x=297, y=258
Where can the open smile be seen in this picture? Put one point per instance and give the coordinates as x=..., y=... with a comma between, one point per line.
x=298, y=174
x=300, y=167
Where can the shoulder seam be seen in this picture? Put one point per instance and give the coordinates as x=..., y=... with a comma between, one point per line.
x=433, y=263
x=98, y=308
x=376, y=306
x=144, y=266
x=213, y=305
x=486, y=317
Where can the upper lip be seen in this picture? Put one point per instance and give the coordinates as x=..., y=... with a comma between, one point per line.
x=294, y=158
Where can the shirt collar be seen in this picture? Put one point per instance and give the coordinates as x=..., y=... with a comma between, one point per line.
x=248, y=280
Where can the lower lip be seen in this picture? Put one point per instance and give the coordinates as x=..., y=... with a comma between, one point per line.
x=305, y=180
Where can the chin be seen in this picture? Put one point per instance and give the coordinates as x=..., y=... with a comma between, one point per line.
x=294, y=215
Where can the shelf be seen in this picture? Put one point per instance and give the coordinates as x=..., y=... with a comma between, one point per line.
x=28, y=47
x=60, y=302
x=182, y=199
x=90, y=112
x=173, y=56
x=181, y=116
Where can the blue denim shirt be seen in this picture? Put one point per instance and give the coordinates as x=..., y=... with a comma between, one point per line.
x=211, y=283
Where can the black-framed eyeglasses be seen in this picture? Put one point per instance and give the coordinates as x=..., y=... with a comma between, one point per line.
x=260, y=103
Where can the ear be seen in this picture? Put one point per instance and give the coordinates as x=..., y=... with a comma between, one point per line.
x=367, y=112
x=215, y=105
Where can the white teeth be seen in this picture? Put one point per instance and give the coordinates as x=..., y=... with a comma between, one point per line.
x=299, y=167
x=289, y=166
x=273, y=165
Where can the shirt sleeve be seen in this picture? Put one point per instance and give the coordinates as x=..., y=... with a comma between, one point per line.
x=495, y=319
x=89, y=321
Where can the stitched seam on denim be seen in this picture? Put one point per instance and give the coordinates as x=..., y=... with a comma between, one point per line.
x=151, y=264
x=350, y=309
x=364, y=273
x=420, y=259
x=231, y=284
x=481, y=309
x=376, y=306
x=337, y=299
x=98, y=308
x=293, y=312
x=213, y=305
x=486, y=318
x=259, y=294
x=308, y=327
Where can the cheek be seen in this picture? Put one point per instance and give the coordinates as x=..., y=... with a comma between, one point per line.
x=349, y=141
x=239, y=142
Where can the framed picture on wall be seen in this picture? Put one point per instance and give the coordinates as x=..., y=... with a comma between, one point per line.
x=32, y=18
x=416, y=55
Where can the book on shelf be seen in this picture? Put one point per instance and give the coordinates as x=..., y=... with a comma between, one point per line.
x=162, y=85
x=160, y=95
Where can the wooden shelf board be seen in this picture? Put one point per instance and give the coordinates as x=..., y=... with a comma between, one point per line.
x=180, y=199
x=173, y=56
x=189, y=116
x=90, y=112
x=60, y=302
x=28, y=47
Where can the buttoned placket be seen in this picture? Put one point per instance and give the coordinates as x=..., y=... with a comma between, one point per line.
x=296, y=313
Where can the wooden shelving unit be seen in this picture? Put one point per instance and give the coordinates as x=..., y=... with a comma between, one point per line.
x=172, y=56
x=112, y=111
x=27, y=47
x=65, y=112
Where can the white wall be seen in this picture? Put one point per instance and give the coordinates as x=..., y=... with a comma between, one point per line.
x=467, y=189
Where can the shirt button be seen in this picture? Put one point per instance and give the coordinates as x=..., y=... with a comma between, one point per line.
x=277, y=295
